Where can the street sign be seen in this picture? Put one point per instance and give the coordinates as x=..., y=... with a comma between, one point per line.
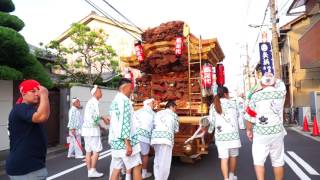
x=266, y=57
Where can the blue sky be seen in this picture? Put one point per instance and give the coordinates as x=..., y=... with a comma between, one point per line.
x=225, y=19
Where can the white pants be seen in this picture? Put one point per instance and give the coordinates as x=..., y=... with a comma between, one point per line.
x=162, y=161
x=93, y=144
x=260, y=152
x=75, y=146
x=225, y=153
x=145, y=148
x=128, y=162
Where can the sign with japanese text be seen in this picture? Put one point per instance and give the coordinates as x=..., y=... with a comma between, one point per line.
x=266, y=57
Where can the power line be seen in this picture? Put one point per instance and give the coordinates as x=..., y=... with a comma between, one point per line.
x=284, y=5
x=111, y=18
x=264, y=18
x=122, y=15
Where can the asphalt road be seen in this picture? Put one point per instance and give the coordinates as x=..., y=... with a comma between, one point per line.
x=302, y=162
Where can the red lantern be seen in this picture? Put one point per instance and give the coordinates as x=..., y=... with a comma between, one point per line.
x=179, y=45
x=139, y=51
x=220, y=74
x=206, y=76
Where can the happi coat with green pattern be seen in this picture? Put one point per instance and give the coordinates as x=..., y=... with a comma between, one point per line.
x=268, y=104
x=225, y=125
x=144, y=118
x=166, y=124
x=122, y=126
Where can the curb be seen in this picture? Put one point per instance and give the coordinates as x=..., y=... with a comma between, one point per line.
x=298, y=129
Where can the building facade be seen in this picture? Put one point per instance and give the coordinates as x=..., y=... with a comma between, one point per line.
x=118, y=38
x=300, y=55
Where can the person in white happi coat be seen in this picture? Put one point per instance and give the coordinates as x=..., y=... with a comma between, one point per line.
x=74, y=126
x=265, y=129
x=240, y=103
x=123, y=138
x=223, y=118
x=144, y=121
x=91, y=131
x=166, y=124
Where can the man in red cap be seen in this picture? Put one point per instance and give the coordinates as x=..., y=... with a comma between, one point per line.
x=28, y=141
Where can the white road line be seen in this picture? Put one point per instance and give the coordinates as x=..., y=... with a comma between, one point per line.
x=296, y=169
x=304, y=164
x=102, y=155
x=104, y=152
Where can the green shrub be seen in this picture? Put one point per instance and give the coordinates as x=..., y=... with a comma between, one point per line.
x=11, y=21
x=36, y=71
x=13, y=48
x=6, y=6
x=8, y=73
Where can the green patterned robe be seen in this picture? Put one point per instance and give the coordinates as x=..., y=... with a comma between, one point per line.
x=166, y=123
x=122, y=126
x=225, y=125
x=268, y=103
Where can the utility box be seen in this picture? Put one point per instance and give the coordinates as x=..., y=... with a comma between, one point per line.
x=315, y=105
x=304, y=112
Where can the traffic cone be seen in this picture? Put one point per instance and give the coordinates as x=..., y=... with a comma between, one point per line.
x=315, y=131
x=305, y=125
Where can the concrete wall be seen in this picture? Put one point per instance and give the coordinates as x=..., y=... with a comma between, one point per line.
x=83, y=93
x=6, y=99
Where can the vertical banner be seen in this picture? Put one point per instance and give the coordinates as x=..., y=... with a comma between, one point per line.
x=266, y=57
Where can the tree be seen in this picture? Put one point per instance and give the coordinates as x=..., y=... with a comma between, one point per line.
x=16, y=62
x=87, y=57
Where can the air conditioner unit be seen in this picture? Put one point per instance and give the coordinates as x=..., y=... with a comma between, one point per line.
x=304, y=112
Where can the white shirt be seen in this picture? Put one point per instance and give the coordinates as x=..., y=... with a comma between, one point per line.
x=91, y=121
x=74, y=118
x=166, y=123
x=226, y=124
x=144, y=119
x=268, y=104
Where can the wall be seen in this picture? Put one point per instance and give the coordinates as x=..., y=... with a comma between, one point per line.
x=304, y=80
x=6, y=99
x=83, y=93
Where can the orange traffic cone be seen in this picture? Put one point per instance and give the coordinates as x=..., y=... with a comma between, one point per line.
x=315, y=131
x=305, y=125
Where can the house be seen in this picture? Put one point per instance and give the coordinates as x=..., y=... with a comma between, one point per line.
x=118, y=37
x=300, y=55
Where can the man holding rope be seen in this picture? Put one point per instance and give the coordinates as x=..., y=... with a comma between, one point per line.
x=74, y=125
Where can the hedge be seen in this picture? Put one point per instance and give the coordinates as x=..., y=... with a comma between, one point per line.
x=11, y=21
x=8, y=73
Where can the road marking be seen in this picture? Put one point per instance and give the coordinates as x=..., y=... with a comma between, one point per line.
x=105, y=152
x=102, y=155
x=304, y=164
x=295, y=168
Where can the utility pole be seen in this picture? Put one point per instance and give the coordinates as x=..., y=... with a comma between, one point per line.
x=275, y=43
